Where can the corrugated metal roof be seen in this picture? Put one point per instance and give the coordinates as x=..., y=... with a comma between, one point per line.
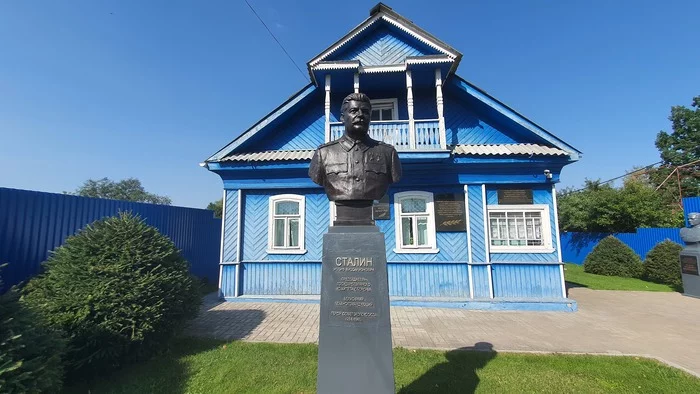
x=479, y=150
x=272, y=155
x=508, y=149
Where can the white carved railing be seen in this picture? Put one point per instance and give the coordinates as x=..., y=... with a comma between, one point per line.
x=398, y=133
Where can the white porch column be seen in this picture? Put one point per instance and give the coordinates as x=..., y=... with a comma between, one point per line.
x=356, y=83
x=441, y=116
x=409, y=100
x=328, y=108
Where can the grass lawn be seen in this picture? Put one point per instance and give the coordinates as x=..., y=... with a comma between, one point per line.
x=574, y=274
x=209, y=366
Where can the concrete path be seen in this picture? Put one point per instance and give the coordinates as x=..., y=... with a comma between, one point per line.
x=660, y=325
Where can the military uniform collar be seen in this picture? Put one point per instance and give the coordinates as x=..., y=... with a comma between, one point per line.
x=348, y=143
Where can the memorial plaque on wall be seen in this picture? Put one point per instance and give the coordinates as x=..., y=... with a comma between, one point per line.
x=449, y=212
x=515, y=196
x=689, y=265
x=381, y=209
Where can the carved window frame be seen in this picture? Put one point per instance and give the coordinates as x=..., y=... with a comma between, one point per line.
x=429, y=214
x=301, y=217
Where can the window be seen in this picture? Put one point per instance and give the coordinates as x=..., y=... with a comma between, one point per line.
x=385, y=109
x=415, y=222
x=286, y=225
x=519, y=229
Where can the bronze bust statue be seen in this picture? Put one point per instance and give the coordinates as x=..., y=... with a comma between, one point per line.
x=354, y=170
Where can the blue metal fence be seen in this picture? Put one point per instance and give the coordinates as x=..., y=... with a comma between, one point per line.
x=34, y=223
x=576, y=246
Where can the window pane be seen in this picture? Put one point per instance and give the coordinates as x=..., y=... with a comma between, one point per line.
x=387, y=114
x=375, y=114
x=286, y=208
x=279, y=232
x=422, y=223
x=494, y=228
x=293, y=232
x=407, y=231
x=521, y=228
x=412, y=205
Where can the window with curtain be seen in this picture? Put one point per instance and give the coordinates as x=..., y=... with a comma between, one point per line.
x=286, y=224
x=415, y=222
x=519, y=228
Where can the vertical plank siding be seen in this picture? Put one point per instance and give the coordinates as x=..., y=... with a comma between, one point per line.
x=428, y=280
x=480, y=278
x=526, y=281
x=34, y=223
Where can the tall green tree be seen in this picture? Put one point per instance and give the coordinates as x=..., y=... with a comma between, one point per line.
x=604, y=208
x=678, y=148
x=129, y=189
x=218, y=207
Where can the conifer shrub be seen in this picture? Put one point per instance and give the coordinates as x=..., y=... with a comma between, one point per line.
x=611, y=257
x=30, y=352
x=662, y=264
x=119, y=290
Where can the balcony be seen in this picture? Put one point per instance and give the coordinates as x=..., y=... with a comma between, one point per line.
x=425, y=136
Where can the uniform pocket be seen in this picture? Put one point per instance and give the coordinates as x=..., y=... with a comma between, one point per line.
x=375, y=166
x=336, y=168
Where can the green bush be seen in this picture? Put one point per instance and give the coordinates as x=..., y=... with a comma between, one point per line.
x=30, y=353
x=611, y=257
x=120, y=291
x=662, y=264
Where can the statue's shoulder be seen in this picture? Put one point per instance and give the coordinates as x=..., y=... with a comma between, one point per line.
x=328, y=144
x=385, y=147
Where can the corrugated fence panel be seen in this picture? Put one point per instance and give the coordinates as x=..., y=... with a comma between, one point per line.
x=576, y=246
x=34, y=223
x=480, y=277
x=526, y=280
x=281, y=278
x=428, y=280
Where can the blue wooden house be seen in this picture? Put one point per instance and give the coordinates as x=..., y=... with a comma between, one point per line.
x=473, y=221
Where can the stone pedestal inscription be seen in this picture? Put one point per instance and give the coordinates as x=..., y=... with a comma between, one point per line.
x=354, y=353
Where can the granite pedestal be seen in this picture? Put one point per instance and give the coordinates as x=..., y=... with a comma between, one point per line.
x=355, y=352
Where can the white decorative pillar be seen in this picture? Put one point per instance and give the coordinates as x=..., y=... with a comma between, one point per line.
x=409, y=100
x=441, y=117
x=356, y=83
x=328, y=108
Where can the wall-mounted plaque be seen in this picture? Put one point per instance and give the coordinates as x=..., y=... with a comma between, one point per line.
x=449, y=212
x=689, y=265
x=381, y=210
x=515, y=196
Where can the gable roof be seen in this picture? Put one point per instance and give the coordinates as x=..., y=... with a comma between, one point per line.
x=382, y=13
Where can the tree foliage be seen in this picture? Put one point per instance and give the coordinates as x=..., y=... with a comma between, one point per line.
x=611, y=257
x=118, y=289
x=218, y=207
x=129, y=189
x=606, y=209
x=30, y=352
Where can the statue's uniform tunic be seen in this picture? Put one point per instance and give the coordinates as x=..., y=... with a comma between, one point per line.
x=355, y=169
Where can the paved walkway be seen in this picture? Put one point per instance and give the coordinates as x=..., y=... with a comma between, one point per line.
x=661, y=325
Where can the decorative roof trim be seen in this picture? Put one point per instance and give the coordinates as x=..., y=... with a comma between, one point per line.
x=340, y=65
x=476, y=150
x=385, y=13
x=383, y=69
x=430, y=59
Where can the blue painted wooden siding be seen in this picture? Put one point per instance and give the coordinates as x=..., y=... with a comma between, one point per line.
x=540, y=195
x=526, y=281
x=476, y=223
x=255, y=225
x=464, y=126
x=231, y=227
x=480, y=277
x=428, y=280
x=228, y=280
x=305, y=130
x=34, y=223
x=383, y=46
x=297, y=278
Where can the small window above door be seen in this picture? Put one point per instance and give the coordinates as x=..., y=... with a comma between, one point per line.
x=384, y=109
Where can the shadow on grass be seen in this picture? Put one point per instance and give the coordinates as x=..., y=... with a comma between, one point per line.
x=171, y=371
x=458, y=374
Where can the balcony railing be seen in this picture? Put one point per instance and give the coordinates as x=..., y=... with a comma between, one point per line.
x=426, y=135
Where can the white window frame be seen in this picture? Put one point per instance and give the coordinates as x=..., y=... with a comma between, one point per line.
x=546, y=229
x=430, y=210
x=271, y=248
x=385, y=104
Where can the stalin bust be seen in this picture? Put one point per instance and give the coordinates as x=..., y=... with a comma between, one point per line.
x=354, y=170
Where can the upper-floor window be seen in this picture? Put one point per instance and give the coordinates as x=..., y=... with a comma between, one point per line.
x=384, y=109
x=286, y=224
x=415, y=222
x=520, y=228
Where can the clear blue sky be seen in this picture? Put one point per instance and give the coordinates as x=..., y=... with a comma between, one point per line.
x=148, y=89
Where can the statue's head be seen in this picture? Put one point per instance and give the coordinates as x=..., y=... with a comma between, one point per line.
x=355, y=114
x=694, y=218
